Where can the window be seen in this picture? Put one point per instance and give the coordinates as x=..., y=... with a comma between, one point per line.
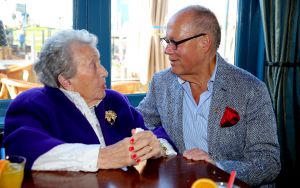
x=124, y=29
x=226, y=13
x=135, y=33
x=24, y=27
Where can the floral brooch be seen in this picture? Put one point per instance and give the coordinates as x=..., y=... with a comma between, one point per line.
x=110, y=116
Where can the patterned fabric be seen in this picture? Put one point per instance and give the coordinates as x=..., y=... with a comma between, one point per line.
x=250, y=147
x=3, y=41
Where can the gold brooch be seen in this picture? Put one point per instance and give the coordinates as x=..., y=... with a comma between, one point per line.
x=110, y=116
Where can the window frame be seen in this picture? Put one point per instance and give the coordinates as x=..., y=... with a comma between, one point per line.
x=95, y=16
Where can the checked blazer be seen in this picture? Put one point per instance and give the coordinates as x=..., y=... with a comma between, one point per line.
x=250, y=147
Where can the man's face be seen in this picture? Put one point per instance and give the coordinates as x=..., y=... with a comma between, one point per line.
x=186, y=58
x=89, y=79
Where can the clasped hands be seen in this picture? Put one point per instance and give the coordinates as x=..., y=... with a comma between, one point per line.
x=130, y=151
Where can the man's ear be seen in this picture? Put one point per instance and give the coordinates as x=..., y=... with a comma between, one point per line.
x=65, y=83
x=206, y=42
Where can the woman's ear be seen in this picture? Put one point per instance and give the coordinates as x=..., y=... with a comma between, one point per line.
x=65, y=83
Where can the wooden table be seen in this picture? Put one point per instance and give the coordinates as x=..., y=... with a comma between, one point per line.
x=169, y=172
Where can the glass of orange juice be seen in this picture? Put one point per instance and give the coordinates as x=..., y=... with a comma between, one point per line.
x=12, y=172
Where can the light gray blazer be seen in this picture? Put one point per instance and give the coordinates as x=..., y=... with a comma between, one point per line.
x=250, y=147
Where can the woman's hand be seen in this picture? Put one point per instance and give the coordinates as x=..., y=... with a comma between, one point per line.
x=116, y=156
x=146, y=145
x=130, y=151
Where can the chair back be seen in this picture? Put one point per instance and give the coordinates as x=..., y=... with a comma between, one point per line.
x=15, y=87
x=21, y=72
x=3, y=90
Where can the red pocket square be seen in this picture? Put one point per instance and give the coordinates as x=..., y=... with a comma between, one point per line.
x=230, y=117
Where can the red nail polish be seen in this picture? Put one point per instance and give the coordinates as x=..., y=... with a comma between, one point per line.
x=133, y=156
x=138, y=160
x=131, y=148
x=131, y=140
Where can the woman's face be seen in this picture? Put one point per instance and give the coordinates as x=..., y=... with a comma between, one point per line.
x=89, y=79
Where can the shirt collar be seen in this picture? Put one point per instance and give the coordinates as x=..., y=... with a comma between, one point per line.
x=76, y=98
x=211, y=80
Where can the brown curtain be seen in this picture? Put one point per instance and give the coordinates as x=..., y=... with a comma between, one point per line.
x=157, y=58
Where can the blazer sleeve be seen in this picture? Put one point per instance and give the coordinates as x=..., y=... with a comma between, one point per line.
x=158, y=131
x=148, y=107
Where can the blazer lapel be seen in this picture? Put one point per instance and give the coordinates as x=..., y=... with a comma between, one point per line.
x=218, y=103
x=176, y=96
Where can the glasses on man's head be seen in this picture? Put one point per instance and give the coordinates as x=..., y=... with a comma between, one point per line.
x=173, y=44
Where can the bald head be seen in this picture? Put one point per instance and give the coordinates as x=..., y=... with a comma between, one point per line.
x=198, y=19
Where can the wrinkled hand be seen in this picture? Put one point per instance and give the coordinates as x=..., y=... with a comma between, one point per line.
x=146, y=145
x=130, y=151
x=197, y=154
x=116, y=155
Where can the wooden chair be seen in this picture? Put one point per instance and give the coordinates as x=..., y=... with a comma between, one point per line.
x=21, y=72
x=126, y=87
x=15, y=87
x=3, y=91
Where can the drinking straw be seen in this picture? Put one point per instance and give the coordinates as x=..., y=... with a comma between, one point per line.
x=2, y=153
x=231, y=179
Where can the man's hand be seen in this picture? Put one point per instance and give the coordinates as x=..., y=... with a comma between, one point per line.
x=197, y=154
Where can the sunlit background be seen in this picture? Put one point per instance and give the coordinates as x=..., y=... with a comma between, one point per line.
x=136, y=53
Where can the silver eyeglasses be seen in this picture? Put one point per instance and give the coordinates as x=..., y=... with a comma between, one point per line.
x=173, y=44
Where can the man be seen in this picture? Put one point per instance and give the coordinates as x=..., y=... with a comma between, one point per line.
x=212, y=110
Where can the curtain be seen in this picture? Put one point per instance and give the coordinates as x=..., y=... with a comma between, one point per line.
x=249, y=50
x=138, y=32
x=157, y=59
x=282, y=40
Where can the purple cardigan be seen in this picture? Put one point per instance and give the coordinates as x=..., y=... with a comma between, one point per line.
x=42, y=118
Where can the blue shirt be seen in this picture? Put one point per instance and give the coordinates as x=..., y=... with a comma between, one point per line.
x=195, y=116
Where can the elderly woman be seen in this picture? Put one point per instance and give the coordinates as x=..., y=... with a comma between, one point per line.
x=74, y=123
